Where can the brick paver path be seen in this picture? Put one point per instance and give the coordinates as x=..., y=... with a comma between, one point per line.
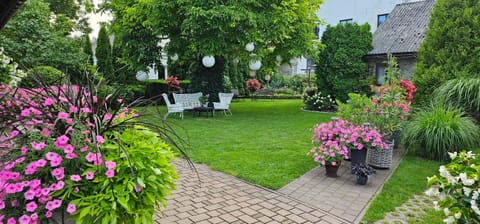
x=339, y=196
x=215, y=197
x=409, y=212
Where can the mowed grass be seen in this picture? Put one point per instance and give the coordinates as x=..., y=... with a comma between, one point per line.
x=409, y=179
x=264, y=142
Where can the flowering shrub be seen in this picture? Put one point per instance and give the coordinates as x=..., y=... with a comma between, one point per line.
x=333, y=139
x=9, y=72
x=319, y=102
x=253, y=85
x=389, y=109
x=173, y=83
x=409, y=89
x=458, y=188
x=63, y=149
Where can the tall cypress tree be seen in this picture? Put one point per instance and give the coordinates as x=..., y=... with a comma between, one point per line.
x=87, y=49
x=451, y=46
x=104, y=55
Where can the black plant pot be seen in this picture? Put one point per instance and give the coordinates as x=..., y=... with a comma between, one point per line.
x=358, y=156
x=362, y=180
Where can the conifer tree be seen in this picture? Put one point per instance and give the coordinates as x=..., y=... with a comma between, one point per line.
x=451, y=46
x=104, y=54
x=87, y=49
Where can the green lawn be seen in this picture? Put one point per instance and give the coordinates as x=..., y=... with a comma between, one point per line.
x=408, y=179
x=264, y=142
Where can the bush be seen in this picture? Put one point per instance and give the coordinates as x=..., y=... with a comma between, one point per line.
x=48, y=75
x=437, y=130
x=356, y=108
x=319, y=101
x=458, y=189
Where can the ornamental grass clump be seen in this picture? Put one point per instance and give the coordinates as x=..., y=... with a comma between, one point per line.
x=65, y=150
x=457, y=188
x=436, y=130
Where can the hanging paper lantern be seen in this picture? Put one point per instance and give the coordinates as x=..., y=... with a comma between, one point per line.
x=285, y=67
x=174, y=57
x=293, y=61
x=208, y=61
x=254, y=64
x=141, y=76
x=279, y=58
x=250, y=47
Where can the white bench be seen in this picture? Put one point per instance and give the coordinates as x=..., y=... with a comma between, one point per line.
x=187, y=100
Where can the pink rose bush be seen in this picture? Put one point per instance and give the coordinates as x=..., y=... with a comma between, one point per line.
x=332, y=141
x=64, y=150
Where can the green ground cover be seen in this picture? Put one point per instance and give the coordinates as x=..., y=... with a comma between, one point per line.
x=264, y=142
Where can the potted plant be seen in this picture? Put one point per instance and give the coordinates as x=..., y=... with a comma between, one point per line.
x=361, y=139
x=362, y=171
x=65, y=150
x=329, y=146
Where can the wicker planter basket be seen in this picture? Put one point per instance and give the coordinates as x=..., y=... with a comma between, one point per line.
x=381, y=159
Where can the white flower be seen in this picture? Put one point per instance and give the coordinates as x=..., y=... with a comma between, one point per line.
x=435, y=206
x=453, y=155
x=470, y=155
x=458, y=215
x=433, y=191
x=465, y=180
x=475, y=207
x=449, y=220
x=475, y=195
x=446, y=211
x=467, y=191
x=443, y=171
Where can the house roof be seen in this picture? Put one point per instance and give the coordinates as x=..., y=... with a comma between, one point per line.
x=7, y=9
x=404, y=29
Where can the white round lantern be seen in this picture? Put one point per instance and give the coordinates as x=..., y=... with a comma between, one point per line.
x=279, y=58
x=236, y=60
x=250, y=47
x=293, y=61
x=254, y=64
x=285, y=67
x=208, y=61
x=267, y=77
x=141, y=76
x=174, y=57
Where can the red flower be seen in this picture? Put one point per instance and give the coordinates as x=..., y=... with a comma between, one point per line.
x=253, y=85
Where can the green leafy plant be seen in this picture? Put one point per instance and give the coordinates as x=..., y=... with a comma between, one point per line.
x=144, y=177
x=457, y=189
x=319, y=101
x=356, y=108
x=362, y=169
x=434, y=131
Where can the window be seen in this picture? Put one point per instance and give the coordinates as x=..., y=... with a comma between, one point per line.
x=345, y=21
x=380, y=73
x=381, y=18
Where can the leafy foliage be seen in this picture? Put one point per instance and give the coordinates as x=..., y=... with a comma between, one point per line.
x=39, y=43
x=319, y=101
x=87, y=49
x=48, y=75
x=340, y=68
x=437, y=130
x=449, y=50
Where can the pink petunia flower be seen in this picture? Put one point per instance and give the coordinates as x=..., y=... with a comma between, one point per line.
x=68, y=149
x=110, y=173
x=90, y=175
x=48, y=101
x=62, y=115
x=75, y=178
x=100, y=139
x=38, y=146
x=110, y=164
x=71, y=208
x=31, y=206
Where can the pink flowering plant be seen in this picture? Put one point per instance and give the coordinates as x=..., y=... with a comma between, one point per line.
x=62, y=149
x=331, y=141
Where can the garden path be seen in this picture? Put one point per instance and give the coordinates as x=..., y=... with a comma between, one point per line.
x=215, y=197
x=339, y=196
x=409, y=212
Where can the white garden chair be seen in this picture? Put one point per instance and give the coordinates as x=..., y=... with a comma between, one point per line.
x=224, y=104
x=172, y=108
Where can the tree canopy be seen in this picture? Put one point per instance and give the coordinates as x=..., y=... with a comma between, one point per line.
x=451, y=47
x=340, y=67
x=197, y=28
